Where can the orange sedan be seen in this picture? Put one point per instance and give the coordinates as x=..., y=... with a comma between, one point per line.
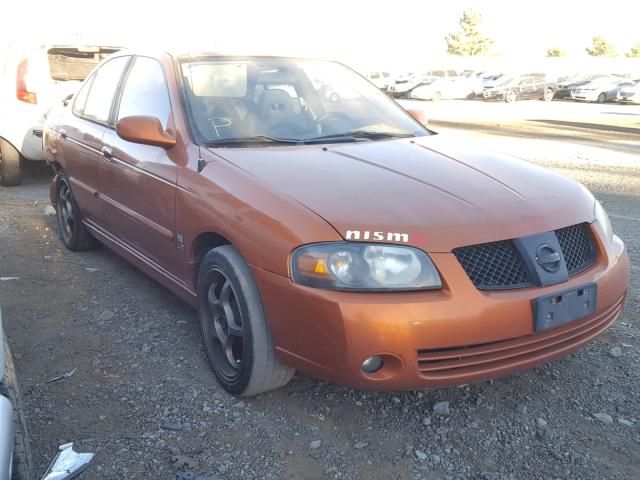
x=317, y=226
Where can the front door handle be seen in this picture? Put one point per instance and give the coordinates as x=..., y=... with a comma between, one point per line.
x=107, y=152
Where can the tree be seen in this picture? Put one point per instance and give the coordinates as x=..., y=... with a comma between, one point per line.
x=555, y=52
x=469, y=41
x=634, y=52
x=601, y=48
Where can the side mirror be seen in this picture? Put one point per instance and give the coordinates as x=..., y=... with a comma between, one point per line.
x=67, y=99
x=419, y=115
x=144, y=129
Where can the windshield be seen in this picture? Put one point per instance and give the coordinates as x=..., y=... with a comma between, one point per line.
x=279, y=99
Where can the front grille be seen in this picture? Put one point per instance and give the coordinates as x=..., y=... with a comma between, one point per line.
x=493, y=266
x=499, y=265
x=456, y=365
x=577, y=247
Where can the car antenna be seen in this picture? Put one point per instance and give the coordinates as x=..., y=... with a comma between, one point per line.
x=201, y=162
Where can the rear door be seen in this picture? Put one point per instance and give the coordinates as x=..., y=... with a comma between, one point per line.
x=138, y=182
x=80, y=135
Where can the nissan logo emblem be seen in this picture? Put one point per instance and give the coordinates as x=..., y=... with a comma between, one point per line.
x=548, y=258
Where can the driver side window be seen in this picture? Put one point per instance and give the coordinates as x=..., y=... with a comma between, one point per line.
x=146, y=92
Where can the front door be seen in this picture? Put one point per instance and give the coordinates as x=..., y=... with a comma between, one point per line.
x=138, y=182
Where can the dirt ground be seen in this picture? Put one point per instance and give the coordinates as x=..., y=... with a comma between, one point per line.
x=145, y=401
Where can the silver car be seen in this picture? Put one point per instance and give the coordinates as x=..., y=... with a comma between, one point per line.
x=601, y=90
x=15, y=460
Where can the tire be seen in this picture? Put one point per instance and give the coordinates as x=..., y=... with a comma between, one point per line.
x=437, y=96
x=602, y=97
x=234, y=327
x=548, y=94
x=73, y=233
x=22, y=467
x=10, y=171
x=511, y=96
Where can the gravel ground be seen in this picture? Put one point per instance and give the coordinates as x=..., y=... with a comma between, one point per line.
x=144, y=400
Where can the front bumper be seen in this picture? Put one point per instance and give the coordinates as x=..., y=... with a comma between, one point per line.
x=585, y=96
x=449, y=337
x=630, y=99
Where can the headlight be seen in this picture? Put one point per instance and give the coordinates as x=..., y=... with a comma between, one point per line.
x=363, y=267
x=603, y=220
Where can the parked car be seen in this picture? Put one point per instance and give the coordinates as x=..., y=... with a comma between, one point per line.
x=31, y=82
x=436, y=88
x=601, y=89
x=341, y=239
x=520, y=87
x=15, y=457
x=403, y=84
x=382, y=80
x=570, y=84
x=629, y=93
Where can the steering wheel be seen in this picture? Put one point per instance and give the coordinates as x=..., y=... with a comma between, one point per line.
x=338, y=115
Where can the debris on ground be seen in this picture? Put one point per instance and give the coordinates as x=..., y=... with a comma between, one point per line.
x=64, y=376
x=67, y=464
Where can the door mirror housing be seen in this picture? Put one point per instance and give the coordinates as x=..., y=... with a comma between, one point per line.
x=419, y=115
x=146, y=130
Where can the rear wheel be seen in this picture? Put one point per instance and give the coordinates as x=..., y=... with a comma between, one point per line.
x=511, y=97
x=73, y=233
x=602, y=97
x=548, y=94
x=10, y=173
x=234, y=327
x=437, y=96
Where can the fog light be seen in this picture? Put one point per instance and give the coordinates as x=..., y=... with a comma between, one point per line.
x=372, y=364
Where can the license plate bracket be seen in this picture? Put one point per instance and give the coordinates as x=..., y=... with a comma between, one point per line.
x=562, y=307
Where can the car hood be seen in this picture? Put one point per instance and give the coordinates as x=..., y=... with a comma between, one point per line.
x=432, y=192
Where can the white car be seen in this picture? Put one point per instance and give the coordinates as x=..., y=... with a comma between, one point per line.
x=436, y=88
x=629, y=94
x=32, y=80
x=601, y=90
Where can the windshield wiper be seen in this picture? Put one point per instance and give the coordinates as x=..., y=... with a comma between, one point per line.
x=355, y=135
x=254, y=139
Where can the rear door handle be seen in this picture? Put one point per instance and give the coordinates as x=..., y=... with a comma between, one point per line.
x=107, y=152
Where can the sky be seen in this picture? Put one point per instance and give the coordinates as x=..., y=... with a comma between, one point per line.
x=392, y=33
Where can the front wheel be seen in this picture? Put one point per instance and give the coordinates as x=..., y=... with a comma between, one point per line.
x=437, y=96
x=10, y=172
x=234, y=327
x=511, y=97
x=548, y=95
x=602, y=97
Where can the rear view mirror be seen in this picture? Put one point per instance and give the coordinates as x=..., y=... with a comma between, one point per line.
x=419, y=115
x=144, y=129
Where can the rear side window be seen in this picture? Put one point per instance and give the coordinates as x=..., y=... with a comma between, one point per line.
x=69, y=63
x=103, y=88
x=145, y=92
x=81, y=97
